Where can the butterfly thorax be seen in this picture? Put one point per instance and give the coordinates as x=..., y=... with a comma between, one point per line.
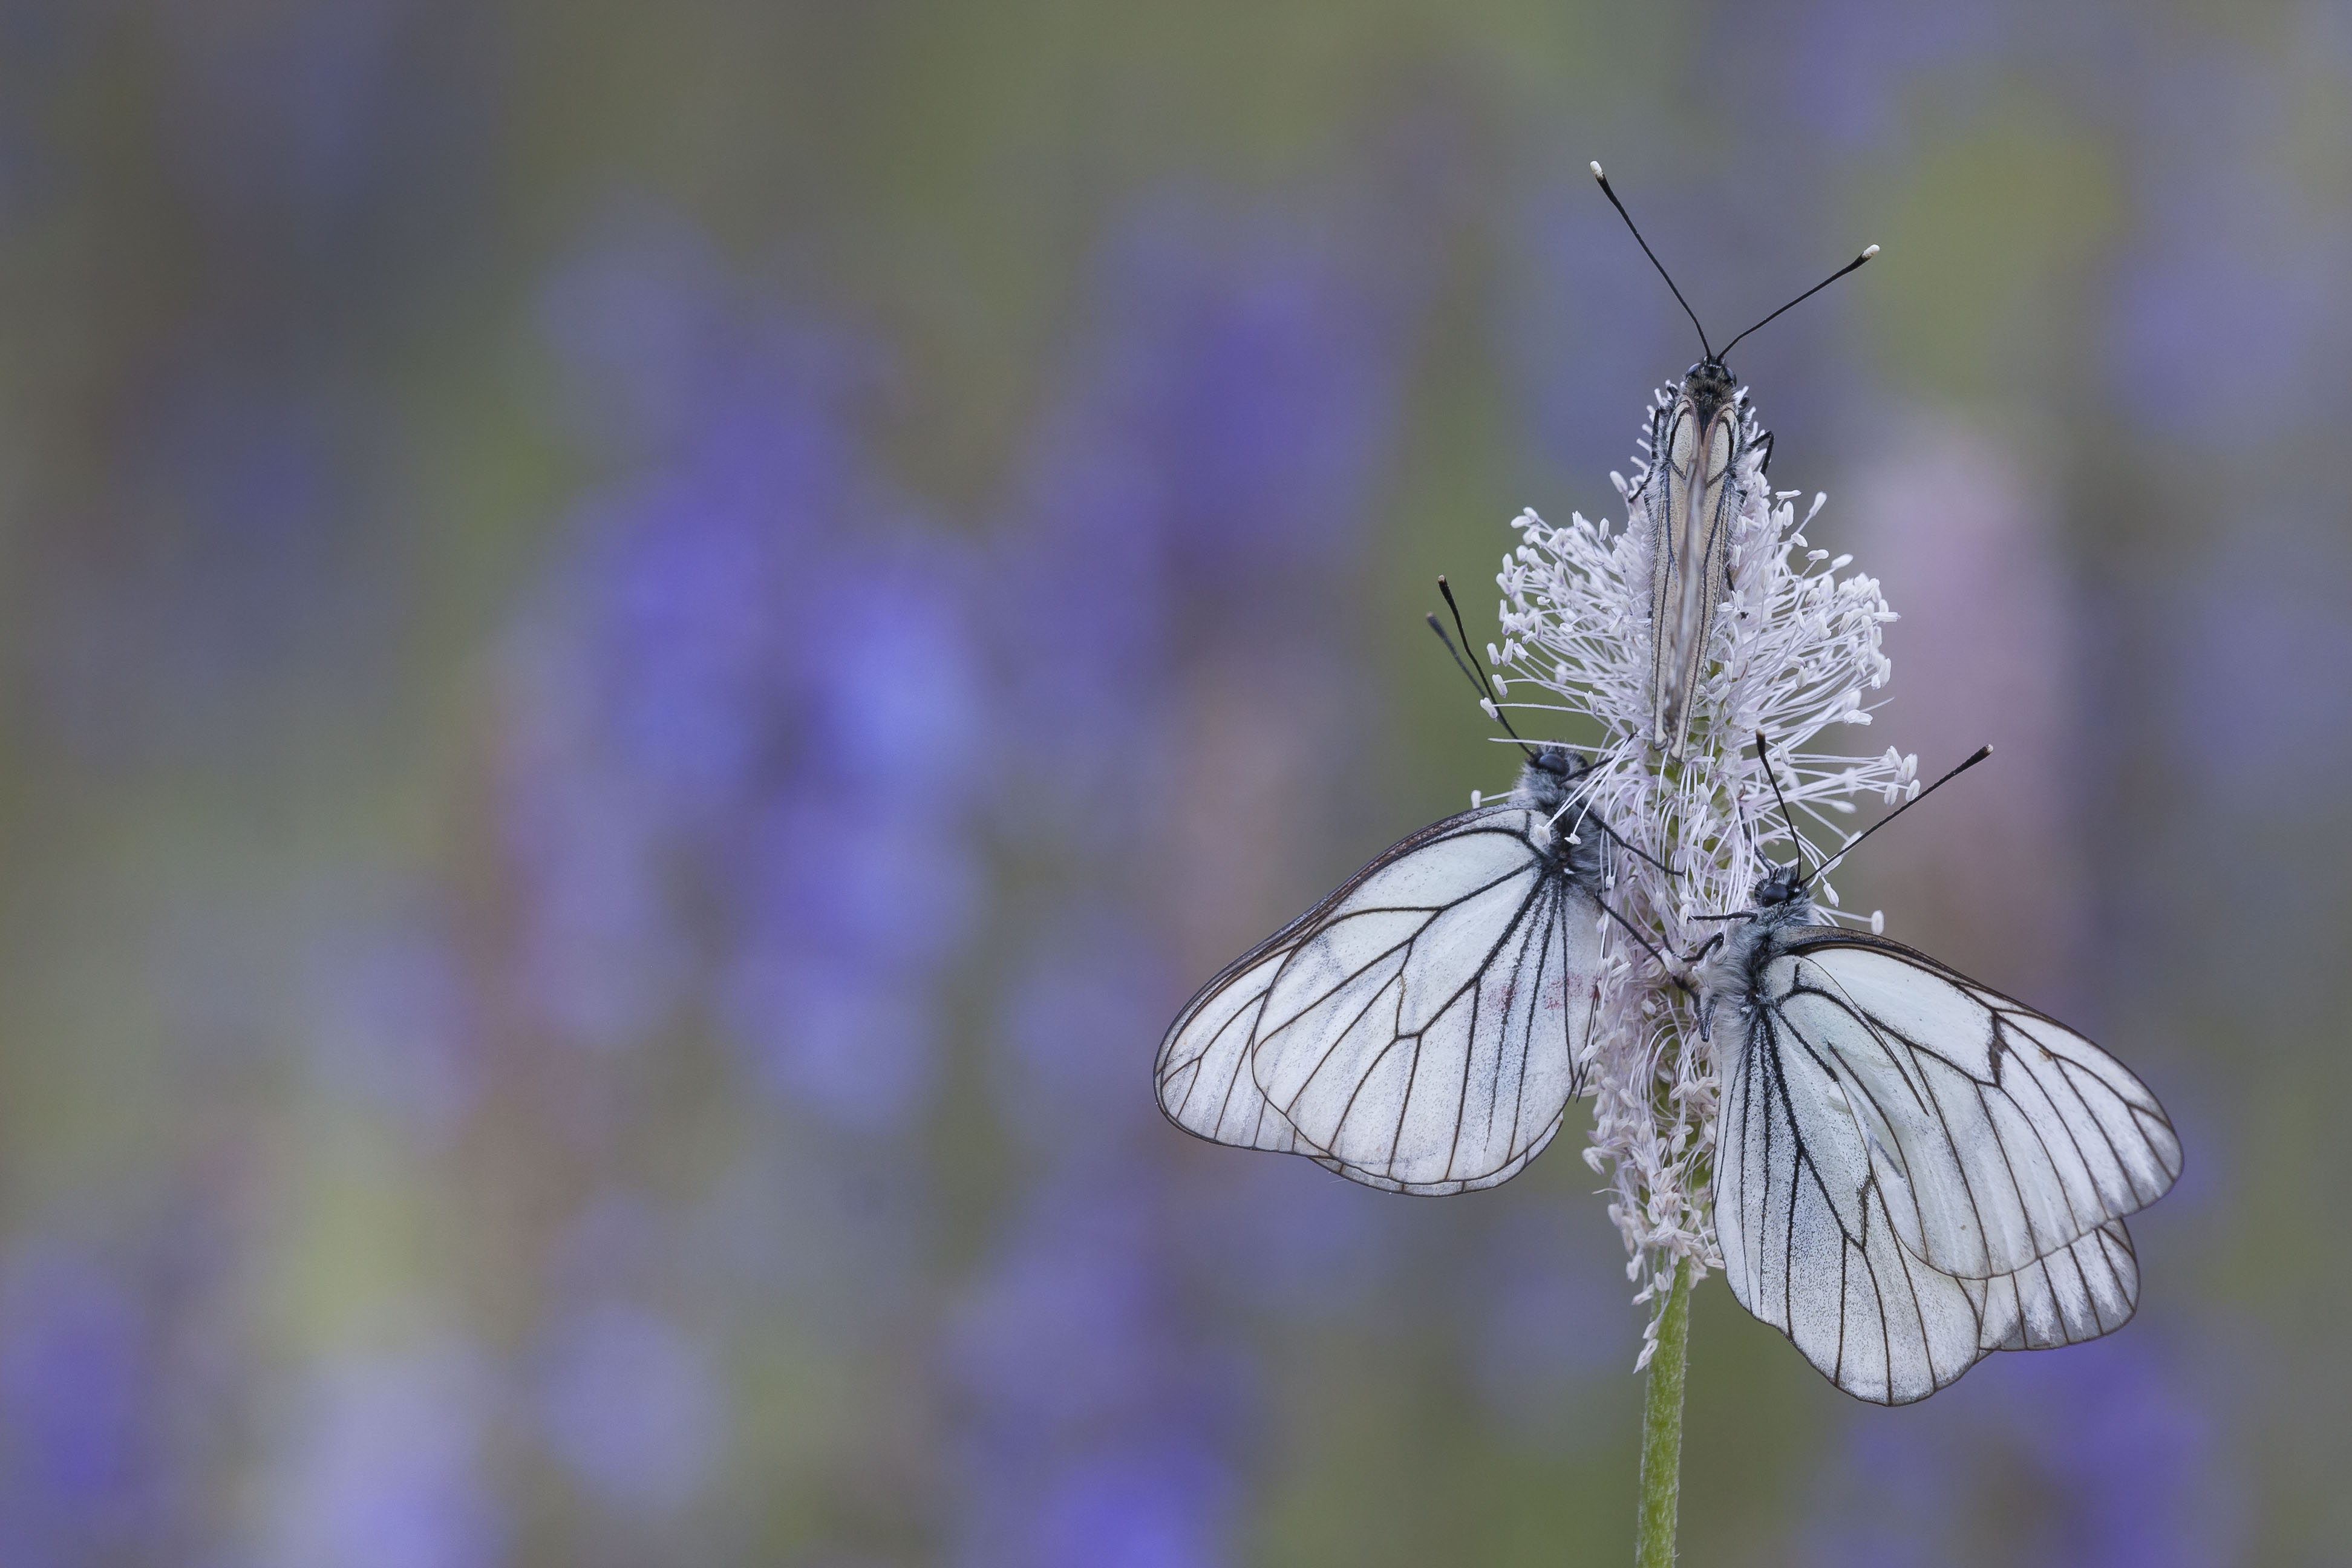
x=1549, y=778
x=1730, y=972
x=1549, y=783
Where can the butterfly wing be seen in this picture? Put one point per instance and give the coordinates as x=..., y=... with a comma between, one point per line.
x=2088, y=1290
x=1203, y=1075
x=1807, y=1240
x=1998, y=1135
x=1419, y=1030
x=1913, y=1170
x=1424, y=1035
x=1697, y=447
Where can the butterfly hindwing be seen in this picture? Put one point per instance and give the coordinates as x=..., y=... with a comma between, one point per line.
x=2088, y=1290
x=1808, y=1245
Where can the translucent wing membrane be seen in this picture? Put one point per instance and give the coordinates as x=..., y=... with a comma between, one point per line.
x=2090, y=1289
x=1915, y=1171
x=1419, y=1030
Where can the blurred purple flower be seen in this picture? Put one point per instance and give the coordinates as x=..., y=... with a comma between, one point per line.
x=2229, y=319
x=1201, y=481
x=1213, y=453
x=1158, y=1504
x=83, y=1479
x=2260, y=714
x=2099, y=1456
x=750, y=707
x=630, y=1405
x=1850, y=66
x=392, y=1019
x=1094, y=979
x=381, y=1467
x=1096, y=1416
x=1544, y=1320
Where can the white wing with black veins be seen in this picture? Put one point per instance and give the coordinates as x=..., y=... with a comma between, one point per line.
x=1420, y=1030
x=1913, y=1170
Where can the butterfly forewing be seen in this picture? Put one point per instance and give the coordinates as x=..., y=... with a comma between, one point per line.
x=1204, y=1071
x=1998, y=1135
x=1419, y=1030
x=1699, y=440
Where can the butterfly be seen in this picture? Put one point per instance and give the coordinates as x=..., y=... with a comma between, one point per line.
x=1422, y=1029
x=1696, y=481
x=1913, y=1170
x=1695, y=487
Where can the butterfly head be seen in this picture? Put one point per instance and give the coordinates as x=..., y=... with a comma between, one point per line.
x=1783, y=887
x=1551, y=776
x=1709, y=384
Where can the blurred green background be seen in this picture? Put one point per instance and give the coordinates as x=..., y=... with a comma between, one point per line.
x=647, y=646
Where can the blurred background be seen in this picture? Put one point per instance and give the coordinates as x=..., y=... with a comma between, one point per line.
x=647, y=646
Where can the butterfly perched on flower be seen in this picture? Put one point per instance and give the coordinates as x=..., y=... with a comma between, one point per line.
x=1913, y=1170
x=1422, y=1028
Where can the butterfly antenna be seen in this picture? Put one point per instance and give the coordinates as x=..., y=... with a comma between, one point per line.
x=1868, y=251
x=1662, y=266
x=1980, y=754
x=1477, y=677
x=1588, y=815
x=1774, y=780
x=1631, y=930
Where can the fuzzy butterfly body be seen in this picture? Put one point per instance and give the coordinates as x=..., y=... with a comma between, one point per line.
x=1422, y=1028
x=1705, y=457
x=1913, y=1170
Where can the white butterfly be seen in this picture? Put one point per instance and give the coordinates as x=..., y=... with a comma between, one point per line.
x=1694, y=486
x=1424, y=1027
x=1913, y=1170
x=1699, y=448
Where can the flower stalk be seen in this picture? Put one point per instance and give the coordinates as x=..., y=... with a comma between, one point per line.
x=1662, y=1429
x=1793, y=656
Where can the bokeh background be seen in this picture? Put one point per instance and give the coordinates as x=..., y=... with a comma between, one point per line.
x=647, y=644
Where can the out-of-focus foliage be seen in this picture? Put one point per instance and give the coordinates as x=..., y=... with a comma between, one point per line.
x=647, y=645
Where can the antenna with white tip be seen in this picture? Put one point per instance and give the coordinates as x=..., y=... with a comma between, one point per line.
x=1714, y=356
x=1653, y=260
x=1867, y=252
x=1980, y=754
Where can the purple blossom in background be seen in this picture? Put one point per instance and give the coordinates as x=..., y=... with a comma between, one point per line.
x=1852, y=67
x=630, y=1405
x=1098, y=1422
x=382, y=1466
x=82, y=1476
x=1200, y=483
x=393, y=1025
x=748, y=704
x=1543, y=1319
x=2100, y=1456
x=2229, y=320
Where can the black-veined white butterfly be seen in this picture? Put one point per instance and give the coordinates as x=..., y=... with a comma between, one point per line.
x=1422, y=1028
x=1700, y=447
x=1913, y=1170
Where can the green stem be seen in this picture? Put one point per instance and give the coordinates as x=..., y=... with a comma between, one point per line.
x=1662, y=1429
